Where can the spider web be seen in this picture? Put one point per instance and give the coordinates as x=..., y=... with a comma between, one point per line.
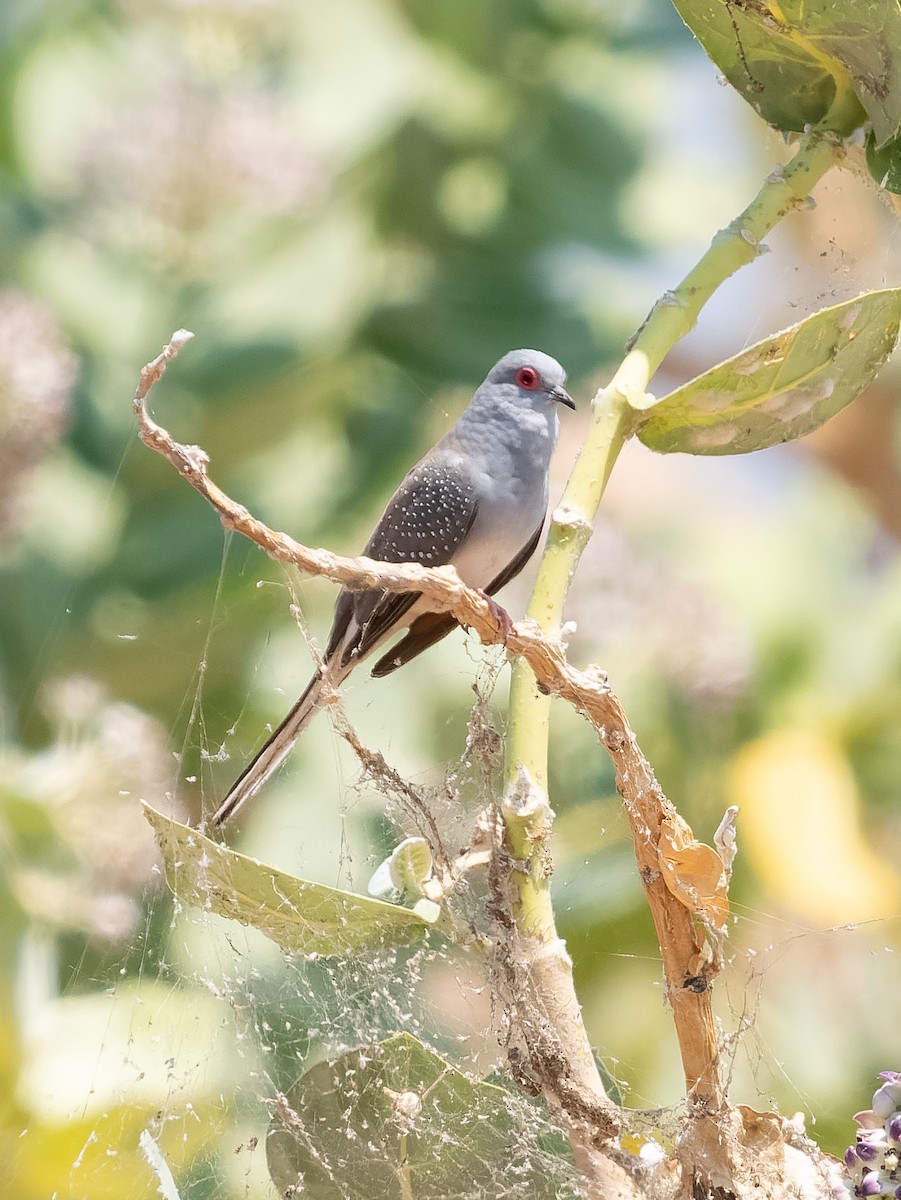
x=167, y=1060
x=211, y=1026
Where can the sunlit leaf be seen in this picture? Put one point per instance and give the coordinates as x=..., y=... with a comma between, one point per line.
x=803, y=832
x=396, y=1120
x=791, y=62
x=103, y=1150
x=295, y=913
x=781, y=388
x=96, y=1067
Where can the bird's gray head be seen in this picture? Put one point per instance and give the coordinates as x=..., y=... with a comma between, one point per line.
x=535, y=376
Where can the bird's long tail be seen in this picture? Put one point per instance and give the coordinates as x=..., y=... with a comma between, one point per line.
x=270, y=755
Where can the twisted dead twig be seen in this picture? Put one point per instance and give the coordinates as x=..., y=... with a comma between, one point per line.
x=587, y=691
x=686, y=934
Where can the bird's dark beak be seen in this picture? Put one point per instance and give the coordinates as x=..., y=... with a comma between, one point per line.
x=562, y=395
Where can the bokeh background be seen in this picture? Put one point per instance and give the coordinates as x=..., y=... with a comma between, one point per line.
x=357, y=207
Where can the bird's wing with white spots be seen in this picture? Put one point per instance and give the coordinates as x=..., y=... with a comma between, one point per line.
x=432, y=627
x=426, y=521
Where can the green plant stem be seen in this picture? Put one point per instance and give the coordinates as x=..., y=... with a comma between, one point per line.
x=616, y=410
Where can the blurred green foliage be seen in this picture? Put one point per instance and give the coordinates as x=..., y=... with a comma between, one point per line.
x=357, y=207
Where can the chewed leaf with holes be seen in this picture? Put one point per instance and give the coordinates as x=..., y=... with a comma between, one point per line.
x=793, y=61
x=298, y=915
x=394, y=1120
x=782, y=388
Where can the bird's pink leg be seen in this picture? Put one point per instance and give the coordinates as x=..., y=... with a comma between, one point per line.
x=501, y=616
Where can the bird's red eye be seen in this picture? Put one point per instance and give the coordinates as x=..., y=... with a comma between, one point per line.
x=528, y=378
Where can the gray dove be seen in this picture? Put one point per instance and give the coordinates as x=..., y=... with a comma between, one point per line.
x=476, y=501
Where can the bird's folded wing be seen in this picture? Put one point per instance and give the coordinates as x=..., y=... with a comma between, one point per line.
x=426, y=522
x=432, y=627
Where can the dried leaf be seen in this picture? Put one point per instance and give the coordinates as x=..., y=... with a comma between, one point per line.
x=694, y=873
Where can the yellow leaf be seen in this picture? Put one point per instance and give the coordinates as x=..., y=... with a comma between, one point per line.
x=801, y=831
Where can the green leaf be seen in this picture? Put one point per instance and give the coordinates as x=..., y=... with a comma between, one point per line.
x=791, y=62
x=782, y=388
x=296, y=914
x=884, y=163
x=396, y=1120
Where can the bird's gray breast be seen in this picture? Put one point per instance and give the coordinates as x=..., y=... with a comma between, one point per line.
x=509, y=468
